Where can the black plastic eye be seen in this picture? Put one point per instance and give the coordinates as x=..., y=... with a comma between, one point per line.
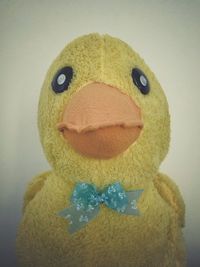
x=62, y=79
x=141, y=81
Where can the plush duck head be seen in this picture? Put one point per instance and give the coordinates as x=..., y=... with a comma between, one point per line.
x=103, y=116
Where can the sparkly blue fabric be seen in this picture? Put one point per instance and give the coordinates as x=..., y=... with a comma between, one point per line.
x=86, y=200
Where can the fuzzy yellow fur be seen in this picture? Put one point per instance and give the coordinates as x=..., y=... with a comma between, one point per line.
x=111, y=239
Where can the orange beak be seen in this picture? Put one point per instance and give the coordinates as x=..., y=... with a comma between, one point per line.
x=100, y=121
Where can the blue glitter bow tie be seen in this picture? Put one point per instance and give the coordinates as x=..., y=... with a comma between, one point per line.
x=86, y=202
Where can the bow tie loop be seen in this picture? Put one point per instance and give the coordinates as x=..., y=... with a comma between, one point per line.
x=85, y=196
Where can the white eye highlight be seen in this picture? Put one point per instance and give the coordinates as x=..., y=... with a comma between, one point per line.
x=61, y=79
x=143, y=80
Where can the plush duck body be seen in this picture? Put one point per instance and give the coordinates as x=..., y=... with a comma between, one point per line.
x=103, y=118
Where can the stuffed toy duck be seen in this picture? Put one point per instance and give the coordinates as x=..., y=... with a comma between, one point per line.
x=105, y=127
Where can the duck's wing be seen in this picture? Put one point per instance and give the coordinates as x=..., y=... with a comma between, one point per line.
x=169, y=191
x=34, y=187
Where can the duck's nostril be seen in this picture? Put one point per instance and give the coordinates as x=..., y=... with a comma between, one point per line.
x=61, y=127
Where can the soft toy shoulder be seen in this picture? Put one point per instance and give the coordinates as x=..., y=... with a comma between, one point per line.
x=34, y=187
x=169, y=191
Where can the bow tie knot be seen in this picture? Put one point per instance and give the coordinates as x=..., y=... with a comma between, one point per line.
x=86, y=200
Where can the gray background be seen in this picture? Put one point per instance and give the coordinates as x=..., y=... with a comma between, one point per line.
x=167, y=36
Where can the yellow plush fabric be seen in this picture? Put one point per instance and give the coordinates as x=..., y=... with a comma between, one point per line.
x=111, y=239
